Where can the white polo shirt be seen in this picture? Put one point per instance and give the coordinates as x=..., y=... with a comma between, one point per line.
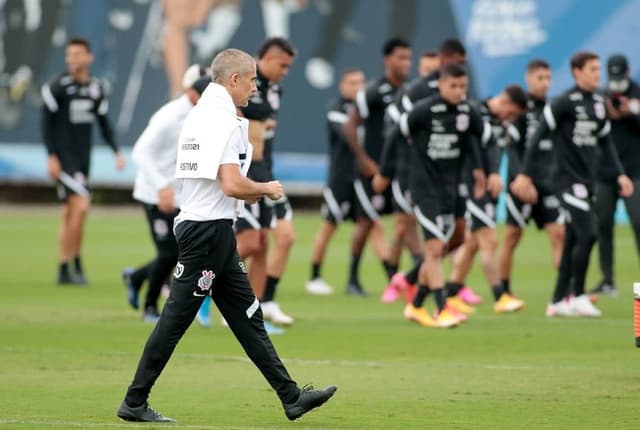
x=155, y=151
x=212, y=135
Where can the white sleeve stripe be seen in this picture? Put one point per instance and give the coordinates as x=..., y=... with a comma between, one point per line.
x=404, y=125
x=361, y=103
x=393, y=112
x=104, y=107
x=513, y=131
x=606, y=128
x=337, y=116
x=548, y=116
x=407, y=104
x=48, y=99
x=486, y=133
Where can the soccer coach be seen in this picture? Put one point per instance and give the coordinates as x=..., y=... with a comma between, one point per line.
x=213, y=157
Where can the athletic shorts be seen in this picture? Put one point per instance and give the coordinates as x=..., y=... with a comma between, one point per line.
x=437, y=220
x=70, y=183
x=339, y=202
x=369, y=204
x=401, y=197
x=263, y=214
x=547, y=210
x=481, y=213
x=255, y=216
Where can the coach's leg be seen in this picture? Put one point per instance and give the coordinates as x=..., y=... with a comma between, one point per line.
x=240, y=308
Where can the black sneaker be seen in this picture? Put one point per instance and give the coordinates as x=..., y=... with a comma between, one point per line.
x=142, y=413
x=605, y=289
x=80, y=279
x=309, y=399
x=66, y=278
x=355, y=289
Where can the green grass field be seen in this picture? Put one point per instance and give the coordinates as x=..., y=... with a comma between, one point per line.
x=67, y=355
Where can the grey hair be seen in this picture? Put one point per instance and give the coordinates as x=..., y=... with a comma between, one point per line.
x=231, y=61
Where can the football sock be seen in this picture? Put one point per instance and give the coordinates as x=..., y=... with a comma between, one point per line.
x=506, y=287
x=315, y=271
x=453, y=288
x=77, y=263
x=353, y=269
x=440, y=298
x=412, y=275
x=417, y=259
x=497, y=291
x=421, y=296
x=390, y=269
x=270, y=288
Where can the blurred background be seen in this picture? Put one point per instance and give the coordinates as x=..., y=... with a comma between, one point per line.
x=140, y=46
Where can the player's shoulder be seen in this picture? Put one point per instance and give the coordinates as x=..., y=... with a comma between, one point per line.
x=378, y=87
x=424, y=86
x=339, y=104
x=433, y=104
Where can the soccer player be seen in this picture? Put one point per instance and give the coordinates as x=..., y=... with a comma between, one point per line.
x=274, y=60
x=578, y=120
x=546, y=212
x=213, y=151
x=623, y=107
x=395, y=163
x=155, y=187
x=371, y=104
x=72, y=103
x=429, y=63
x=499, y=111
x=443, y=130
x=339, y=195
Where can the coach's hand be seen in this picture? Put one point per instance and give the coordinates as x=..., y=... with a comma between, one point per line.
x=166, y=200
x=479, y=183
x=380, y=183
x=274, y=190
x=522, y=186
x=53, y=167
x=626, y=185
x=494, y=185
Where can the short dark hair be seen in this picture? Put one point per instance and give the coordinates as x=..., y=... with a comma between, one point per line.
x=429, y=53
x=350, y=70
x=452, y=46
x=453, y=71
x=279, y=42
x=391, y=44
x=516, y=95
x=579, y=59
x=537, y=63
x=79, y=41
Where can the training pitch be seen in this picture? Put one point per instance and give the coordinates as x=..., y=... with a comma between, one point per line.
x=68, y=354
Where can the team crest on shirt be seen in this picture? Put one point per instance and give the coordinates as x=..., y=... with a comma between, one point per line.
x=206, y=280
x=462, y=122
x=179, y=270
x=599, y=110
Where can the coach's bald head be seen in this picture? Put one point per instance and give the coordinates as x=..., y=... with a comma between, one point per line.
x=236, y=71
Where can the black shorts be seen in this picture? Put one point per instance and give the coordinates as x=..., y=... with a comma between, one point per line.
x=579, y=211
x=481, y=213
x=369, y=204
x=255, y=216
x=281, y=210
x=339, y=202
x=72, y=182
x=401, y=197
x=436, y=219
x=546, y=211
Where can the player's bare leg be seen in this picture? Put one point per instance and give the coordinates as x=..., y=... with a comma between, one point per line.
x=360, y=234
x=316, y=285
x=71, y=234
x=276, y=262
x=555, y=232
x=512, y=236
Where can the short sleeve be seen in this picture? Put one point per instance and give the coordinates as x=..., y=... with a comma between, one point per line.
x=50, y=93
x=411, y=122
x=554, y=111
x=366, y=100
x=231, y=154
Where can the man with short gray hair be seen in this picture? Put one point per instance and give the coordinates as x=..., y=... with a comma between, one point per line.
x=213, y=157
